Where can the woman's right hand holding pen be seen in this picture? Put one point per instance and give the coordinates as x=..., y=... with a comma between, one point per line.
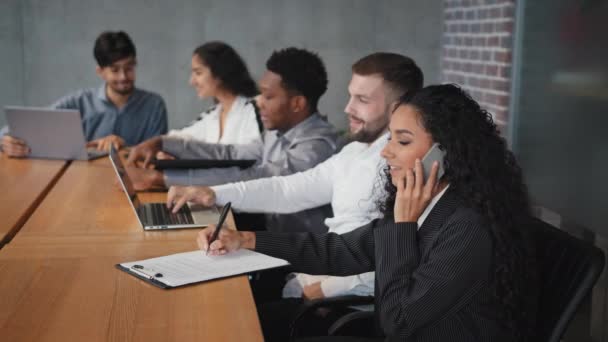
x=228, y=240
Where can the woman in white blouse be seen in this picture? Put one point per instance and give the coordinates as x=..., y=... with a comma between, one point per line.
x=218, y=72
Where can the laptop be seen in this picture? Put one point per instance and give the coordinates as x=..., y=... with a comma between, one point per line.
x=153, y=216
x=50, y=133
x=163, y=164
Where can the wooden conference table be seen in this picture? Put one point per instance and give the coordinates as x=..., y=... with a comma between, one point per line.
x=58, y=281
x=23, y=184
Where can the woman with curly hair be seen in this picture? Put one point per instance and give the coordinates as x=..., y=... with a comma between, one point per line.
x=451, y=255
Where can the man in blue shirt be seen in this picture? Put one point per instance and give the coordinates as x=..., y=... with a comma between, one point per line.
x=116, y=113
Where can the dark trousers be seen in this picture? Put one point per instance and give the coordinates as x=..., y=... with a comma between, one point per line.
x=277, y=314
x=277, y=317
x=340, y=339
x=267, y=286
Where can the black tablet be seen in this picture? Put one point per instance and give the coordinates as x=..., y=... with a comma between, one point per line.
x=201, y=163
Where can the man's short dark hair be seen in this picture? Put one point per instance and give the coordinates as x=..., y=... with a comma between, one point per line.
x=113, y=46
x=400, y=73
x=301, y=71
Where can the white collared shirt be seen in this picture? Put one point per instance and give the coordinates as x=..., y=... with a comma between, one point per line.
x=350, y=180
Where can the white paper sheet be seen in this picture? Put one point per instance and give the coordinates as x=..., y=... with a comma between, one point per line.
x=191, y=267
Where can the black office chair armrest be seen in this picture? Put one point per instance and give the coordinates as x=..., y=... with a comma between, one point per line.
x=358, y=323
x=331, y=302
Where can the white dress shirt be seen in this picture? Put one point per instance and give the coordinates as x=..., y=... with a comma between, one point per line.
x=241, y=126
x=350, y=180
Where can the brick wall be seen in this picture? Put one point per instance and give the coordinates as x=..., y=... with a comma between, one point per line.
x=477, y=43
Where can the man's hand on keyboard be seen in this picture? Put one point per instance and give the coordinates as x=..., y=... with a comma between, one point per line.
x=179, y=195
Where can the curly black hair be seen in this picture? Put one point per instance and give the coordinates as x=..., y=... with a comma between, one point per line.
x=301, y=71
x=484, y=173
x=227, y=66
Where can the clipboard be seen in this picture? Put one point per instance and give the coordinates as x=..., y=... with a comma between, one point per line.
x=187, y=268
x=148, y=279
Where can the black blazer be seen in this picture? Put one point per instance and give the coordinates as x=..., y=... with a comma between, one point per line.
x=432, y=284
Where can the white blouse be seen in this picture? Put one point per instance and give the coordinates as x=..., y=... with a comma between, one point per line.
x=241, y=126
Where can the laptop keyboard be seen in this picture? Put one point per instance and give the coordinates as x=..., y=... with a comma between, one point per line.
x=158, y=214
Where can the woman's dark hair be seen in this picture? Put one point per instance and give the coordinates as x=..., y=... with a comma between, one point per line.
x=113, y=46
x=301, y=71
x=227, y=66
x=484, y=173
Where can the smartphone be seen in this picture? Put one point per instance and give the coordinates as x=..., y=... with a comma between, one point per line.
x=434, y=154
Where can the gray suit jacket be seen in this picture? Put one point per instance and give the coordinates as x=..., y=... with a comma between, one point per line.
x=302, y=147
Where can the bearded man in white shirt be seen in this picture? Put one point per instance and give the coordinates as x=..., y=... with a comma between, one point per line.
x=377, y=82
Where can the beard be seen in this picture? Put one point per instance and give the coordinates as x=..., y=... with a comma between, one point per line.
x=369, y=132
x=365, y=136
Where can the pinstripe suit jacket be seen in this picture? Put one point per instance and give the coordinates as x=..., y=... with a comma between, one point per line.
x=432, y=284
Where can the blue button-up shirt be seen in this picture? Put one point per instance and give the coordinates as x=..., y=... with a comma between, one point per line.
x=142, y=117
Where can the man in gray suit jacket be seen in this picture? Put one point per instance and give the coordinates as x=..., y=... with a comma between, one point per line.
x=296, y=136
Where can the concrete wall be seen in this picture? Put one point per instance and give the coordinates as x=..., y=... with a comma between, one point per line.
x=11, y=54
x=57, y=39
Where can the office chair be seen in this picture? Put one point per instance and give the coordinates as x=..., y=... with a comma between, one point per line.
x=568, y=270
x=309, y=307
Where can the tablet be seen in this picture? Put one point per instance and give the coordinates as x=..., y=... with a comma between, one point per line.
x=163, y=164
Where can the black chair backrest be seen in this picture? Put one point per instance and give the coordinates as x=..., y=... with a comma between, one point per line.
x=568, y=267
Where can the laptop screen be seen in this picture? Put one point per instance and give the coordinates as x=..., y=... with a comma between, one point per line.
x=124, y=178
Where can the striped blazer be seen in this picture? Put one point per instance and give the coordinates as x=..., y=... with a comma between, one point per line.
x=432, y=283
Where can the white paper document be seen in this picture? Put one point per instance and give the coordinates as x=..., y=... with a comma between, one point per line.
x=192, y=267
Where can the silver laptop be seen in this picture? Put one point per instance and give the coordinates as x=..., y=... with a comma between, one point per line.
x=50, y=133
x=156, y=215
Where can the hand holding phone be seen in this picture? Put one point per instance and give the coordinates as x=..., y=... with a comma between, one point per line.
x=433, y=154
x=408, y=208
